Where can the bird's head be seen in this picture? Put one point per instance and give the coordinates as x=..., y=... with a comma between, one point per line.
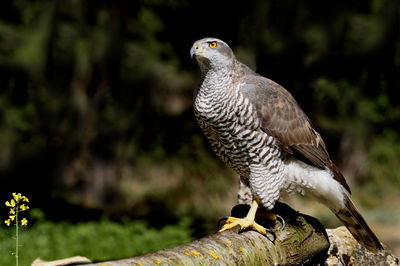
x=212, y=53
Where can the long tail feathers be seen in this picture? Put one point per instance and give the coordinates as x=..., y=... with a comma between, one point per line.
x=358, y=227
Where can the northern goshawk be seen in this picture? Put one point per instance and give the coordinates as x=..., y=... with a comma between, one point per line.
x=257, y=128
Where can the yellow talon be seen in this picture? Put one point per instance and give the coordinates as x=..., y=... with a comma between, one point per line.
x=249, y=222
x=244, y=223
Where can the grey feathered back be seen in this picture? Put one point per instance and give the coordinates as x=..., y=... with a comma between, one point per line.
x=258, y=129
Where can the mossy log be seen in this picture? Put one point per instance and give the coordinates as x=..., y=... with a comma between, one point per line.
x=301, y=240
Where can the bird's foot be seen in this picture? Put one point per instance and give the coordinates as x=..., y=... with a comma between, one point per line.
x=246, y=223
x=271, y=217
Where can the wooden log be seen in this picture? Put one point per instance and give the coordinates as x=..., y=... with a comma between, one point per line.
x=301, y=240
x=345, y=250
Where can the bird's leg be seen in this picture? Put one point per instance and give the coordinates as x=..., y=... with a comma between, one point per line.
x=249, y=221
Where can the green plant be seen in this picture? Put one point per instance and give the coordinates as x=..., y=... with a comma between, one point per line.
x=96, y=240
x=16, y=205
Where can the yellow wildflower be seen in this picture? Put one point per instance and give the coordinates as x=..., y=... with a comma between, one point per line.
x=25, y=199
x=16, y=196
x=12, y=217
x=10, y=204
x=12, y=211
x=24, y=222
x=7, y=222
x=23, y=207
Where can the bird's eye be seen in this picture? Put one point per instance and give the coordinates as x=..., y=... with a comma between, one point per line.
x=212, y=44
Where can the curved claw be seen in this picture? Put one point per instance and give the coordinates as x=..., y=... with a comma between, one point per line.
x=267, y=230
x=222, y=220
x=272, y=233
x=281, y=220
x=241, y=229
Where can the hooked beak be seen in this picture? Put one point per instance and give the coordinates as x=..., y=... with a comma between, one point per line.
x=195, y=51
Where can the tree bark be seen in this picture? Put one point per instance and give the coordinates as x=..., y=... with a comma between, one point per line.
x=345, y=250
x=301, y=240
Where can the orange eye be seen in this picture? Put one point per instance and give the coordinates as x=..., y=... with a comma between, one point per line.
x=212, y=44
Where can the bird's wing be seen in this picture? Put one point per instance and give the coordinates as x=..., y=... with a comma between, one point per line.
x=283, y=119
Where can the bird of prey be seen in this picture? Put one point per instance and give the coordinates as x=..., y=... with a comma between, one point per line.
x=257, y=128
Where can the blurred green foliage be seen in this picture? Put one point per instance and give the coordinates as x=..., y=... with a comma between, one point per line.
x=96, y=96
x=101, y=240
x=384, y=161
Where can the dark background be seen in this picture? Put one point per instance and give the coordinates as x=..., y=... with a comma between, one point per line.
x=96, y=101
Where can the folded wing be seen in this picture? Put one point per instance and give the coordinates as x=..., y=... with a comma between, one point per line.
x=283, y=119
